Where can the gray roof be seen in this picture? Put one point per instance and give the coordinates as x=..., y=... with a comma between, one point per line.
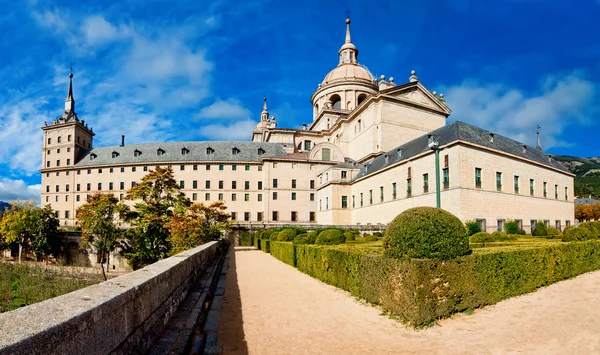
x=197, y=152
x=454, y=132
x=585, y=201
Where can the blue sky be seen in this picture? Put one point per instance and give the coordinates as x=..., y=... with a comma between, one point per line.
x=197, y=70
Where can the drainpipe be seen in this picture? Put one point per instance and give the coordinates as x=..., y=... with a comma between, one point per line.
x=434, y=145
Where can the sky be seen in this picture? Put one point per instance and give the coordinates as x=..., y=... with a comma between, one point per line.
x=157, y=70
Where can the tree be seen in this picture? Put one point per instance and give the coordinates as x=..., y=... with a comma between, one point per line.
x=160, y=198
x=97, y=220
x=45, y=238
x=17, y=223
x=199, y=224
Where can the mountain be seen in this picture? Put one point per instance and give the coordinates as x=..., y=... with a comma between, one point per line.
x=587, y=174
x=3, y=205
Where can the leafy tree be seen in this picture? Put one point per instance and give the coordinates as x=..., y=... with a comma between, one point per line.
x=45, y=239
x=159, y=196
x=97, y=220
x=197, y=225
x=17, y=223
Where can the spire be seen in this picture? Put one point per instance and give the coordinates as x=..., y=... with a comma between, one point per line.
x=538, y=146
x=70, y=101
x=264, y=115
x=348, y=53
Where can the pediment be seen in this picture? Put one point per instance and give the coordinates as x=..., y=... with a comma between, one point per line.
x=417, y=94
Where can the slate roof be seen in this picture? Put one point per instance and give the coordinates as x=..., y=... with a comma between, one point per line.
x=585, y=201
x=197, y=152
x=454, y=132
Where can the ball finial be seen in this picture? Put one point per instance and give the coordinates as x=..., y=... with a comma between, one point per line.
x=391, y=79
x=441, y=96
x=71, y=76
x=434, y=93
x=382, y=77
x=348, y=21
x=412, y=72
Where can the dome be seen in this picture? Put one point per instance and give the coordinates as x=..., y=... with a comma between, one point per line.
x=348, y=72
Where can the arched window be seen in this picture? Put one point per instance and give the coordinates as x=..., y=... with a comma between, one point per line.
x=336, y=102
x=326, y=154
x=360, y=99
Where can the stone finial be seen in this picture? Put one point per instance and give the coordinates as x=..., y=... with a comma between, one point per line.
x=434, y=93
x=391, y=79
x=442, y=97
x=413, y=77
x=382, y=77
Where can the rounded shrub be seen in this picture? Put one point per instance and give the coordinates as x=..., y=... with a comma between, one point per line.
x=330, y=237
x=370, y=238
x=286, y=235
x=590, y=227
x=521, y=232
x=540, y=230
x=480, y=237
x=266, y=234
x=426, y=232
x=472, y=227
x=273, y=236
x=258, y=234
x=349, y=236
x=301, y=239
x=571, y=234
x=378, y=235
x=311, y=237
x=551, y=232
x=499, y=236
x=512, y=227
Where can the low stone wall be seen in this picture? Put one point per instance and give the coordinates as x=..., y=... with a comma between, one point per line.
x=123, y=315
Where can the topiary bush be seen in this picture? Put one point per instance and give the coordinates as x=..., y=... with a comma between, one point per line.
x=370, y=238
x=330, y=237
x=349, y=236
x=274, y=236
x=266, y=234
x=551, y=232
x=512, y=227
x=426, y=232
x=590, y=227
x=301, y=239
x=572, y=234
x=539, y=230
x=286, y=235
x=311, y=237
x=480, y=237
x=521, y=232
x=472, y=227
x=378, y=235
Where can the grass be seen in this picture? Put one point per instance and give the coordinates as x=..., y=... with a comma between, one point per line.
x=22, y=285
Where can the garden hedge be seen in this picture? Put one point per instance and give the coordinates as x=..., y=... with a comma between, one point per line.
x=264, y=245
x=284, y=251
x=419, y=291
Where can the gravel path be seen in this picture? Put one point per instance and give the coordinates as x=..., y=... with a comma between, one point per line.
x=272, y=308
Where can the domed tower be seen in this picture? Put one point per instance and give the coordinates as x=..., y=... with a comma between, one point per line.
x=347, y=85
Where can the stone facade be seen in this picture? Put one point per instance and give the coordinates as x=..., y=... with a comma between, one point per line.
x=368, y=141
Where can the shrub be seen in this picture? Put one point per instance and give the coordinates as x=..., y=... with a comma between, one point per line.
x=521, y=232
x=349, y=235
x=284, y=251
x=378, y=235
x=266, y=234
x=472, y=227
x=370, y=238
x=497, y=236
x=274, y=236
x=286, y=235
x=426, y=232
x=512, y=227
x=311, y=237
x=330, y=237
x=591, y=228
x=301, y=239
x=539, y=230
x=551, y=232
x=264, y=245
x=571, y=234
x=480, y=237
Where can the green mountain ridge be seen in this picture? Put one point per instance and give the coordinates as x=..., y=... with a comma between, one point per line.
x=587, y=174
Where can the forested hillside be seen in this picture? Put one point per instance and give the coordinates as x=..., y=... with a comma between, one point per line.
x=587, y=171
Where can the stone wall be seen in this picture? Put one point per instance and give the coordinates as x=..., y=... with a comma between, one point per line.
x=123, y=315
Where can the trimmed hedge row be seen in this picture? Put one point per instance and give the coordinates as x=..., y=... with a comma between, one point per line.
x=265, y=245
x=419, y=291
x=284, y=251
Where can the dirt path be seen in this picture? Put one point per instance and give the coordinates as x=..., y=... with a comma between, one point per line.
x=271, y=308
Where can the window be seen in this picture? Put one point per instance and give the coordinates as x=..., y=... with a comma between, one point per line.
x=99, y=186
x=110, y=186
x=68, y=149
x=181, y=167
x=312, y=196
x=209, y=151
x=47, y=188
x=294, y=216
x=78, y=187
x=195, y=184
x=49, y=140
x=185, y=151
x=133, y=169
x=48, y=151
x=246, y=197
x=47, y=164
x=353, y=201
x=160, y=151
x=233, y=197
x=122, y=185
x=234, y=151
x=68, y=161
x=556, y=192
x=567, y=223
x=220, y=184
x=78, y=172
x=48, y=198
x=234, y=185
x=380, y=193
x=67, y=198
x=220, y=196
x=545, y=189
x=233, y=216
x=478, y=178
x=76, y=198
x=557, y=225
x=361, y=199
x=194, y=196
x=260, y=185
x=260, y=168
x=67, y=214
x=110, y=170
x=481, y=223
x=275, y=216
x=446, y=173
x=311, y=216
x=246, y=185
x=293, y=196
x=133, y=184
x=498, y=181
x=221, y=167
x=326, y=203
x=181, y=184
x=344, y=201
x=566, y=194
x=274, y=165
x=56, y=198
x=532, y=224
x=59, y=139
x=274, y=183
x=516, y=183
x=136, y=153
x=307, y=145
x=259, y=197
x=100, y=171
x=325, y=154
x=247, y=167
x=500, y=225
x=344, y=174
x=246, y=216
x=274, y=195
x=207, y=166
x=195, y=167
x=207, y=197
x=122, y=170
x=115, y=154
x=261, y=151
x=293, y=183
x=58, y=163
x=312, y=184
x=69, y=138
x=320, y=204
x=67, y=187
x=370, y=197
x=531, y=184
x=88, y=186
x=234, y=167
x=259, y=216
x=207, y=184
x=57, y=188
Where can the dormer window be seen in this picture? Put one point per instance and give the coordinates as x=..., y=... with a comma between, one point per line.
x=261, y=151
x=234, y=151
x=115, y=154
x=160, y=151
x=399, y=152
x=524, y=150
x=137, y=153
x=209, y=151
x=93, y=156
x=185, y=151
x=386, y=158
x=491, y=137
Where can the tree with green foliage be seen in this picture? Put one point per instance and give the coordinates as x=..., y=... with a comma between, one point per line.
x=17, y=223
x=473, y=227
x=45, y=239
x=198, y=224
x=159, y=198
x=539, y=230
x=97, y=219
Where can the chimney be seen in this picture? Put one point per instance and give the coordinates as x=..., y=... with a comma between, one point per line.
x=122, y=140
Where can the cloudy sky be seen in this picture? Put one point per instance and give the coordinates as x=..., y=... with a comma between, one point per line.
x=197, y=70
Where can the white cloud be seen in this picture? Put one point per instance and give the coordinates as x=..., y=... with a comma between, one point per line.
x=96, y=30
x=11, y=190
x=225, y=109
x=51, y=20
x=559, y=102
x=238, y=130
